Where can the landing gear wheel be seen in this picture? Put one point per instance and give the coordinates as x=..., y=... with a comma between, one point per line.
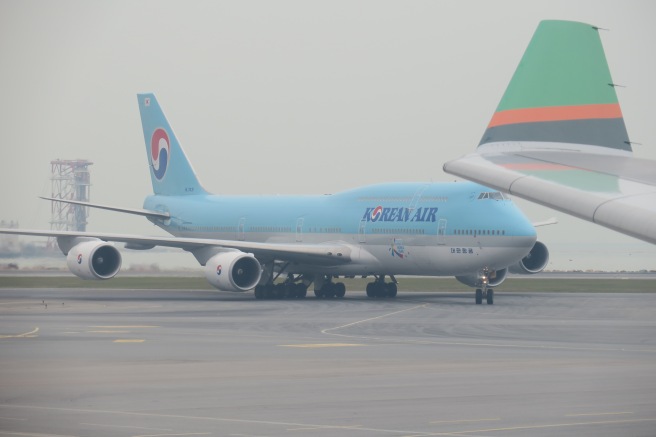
x=329, y=290
x=380, y=288
x=490, y=296
x=479, y=296
x=279, y=291
x=267, y=291
x=340, y=290
x=391, y=289
x=301, y=291
x=290, y=291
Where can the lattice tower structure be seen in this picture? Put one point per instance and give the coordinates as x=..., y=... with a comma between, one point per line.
x=70, y=180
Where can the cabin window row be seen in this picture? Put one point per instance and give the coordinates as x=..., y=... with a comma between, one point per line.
x=208, y=228
x=395, y=231
x=475, y=232
x=422, y=199
x=330, y=230
x=384, y=199
x=433, y=199
x=270, y=229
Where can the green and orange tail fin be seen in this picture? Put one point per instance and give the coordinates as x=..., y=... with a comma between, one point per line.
x=561, y=92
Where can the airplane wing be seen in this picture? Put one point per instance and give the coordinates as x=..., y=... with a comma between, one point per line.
x=325, y=254
x=616, y=197
x=558, y=137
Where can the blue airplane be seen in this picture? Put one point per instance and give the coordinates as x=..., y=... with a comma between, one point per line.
x=279, y=246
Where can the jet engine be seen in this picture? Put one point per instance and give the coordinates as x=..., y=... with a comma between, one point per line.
x=94, y=259
x=233, y=271
x=536, y=260
x=494, y=278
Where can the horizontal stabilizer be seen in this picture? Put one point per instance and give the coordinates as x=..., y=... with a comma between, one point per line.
x=141, y=212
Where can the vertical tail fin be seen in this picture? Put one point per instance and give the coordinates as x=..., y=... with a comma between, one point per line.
x=561, y=92
x=170, y=170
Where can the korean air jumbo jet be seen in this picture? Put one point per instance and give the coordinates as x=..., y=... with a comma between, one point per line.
x=246, y=242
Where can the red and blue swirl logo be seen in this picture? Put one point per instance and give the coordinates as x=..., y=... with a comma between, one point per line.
x=375, y=214
x=218, y=270
x=160, y=152
x=79, y=258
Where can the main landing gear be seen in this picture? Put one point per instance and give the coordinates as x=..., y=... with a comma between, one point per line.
x=294, y=287
x=325, y=288
x=281, y=291
x=380, y=288
x=485, y=292
x=330, y=290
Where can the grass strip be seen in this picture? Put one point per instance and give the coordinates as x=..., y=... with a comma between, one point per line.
x=527, y=284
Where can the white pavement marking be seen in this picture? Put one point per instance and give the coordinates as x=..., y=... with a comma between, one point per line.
x=327, y=331
x=216, y=419
x=24, y=335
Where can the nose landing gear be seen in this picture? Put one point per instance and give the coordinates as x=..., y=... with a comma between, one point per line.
x=485, y=292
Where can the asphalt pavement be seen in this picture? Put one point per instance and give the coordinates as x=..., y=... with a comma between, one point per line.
x=78, y=362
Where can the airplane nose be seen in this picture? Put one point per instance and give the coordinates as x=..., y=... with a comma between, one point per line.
x=523, y=227
x=523, y=232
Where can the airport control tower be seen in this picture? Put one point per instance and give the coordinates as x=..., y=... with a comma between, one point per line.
x=70, y=180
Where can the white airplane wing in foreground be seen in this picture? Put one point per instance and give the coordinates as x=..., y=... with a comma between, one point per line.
x=558, y=137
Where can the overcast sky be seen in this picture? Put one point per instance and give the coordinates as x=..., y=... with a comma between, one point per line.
x=294, y=97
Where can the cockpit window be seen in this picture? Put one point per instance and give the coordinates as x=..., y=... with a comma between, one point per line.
x=494, y=195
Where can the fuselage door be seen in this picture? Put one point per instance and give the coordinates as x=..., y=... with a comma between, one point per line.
x=415, y=199
x=362, y=231
x=299, y=229
x=441, y=232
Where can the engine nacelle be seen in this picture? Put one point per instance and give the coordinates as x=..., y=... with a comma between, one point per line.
x=233, y=271
x=494, y=278
x=536, y=260
x=94, y=259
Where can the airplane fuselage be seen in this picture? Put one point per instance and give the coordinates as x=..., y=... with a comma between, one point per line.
x=396, y=228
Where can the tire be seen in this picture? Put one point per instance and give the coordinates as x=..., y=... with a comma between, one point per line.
x=371, y=290
x=479, y=296
x=490, y=297
x=279, y=291
x=340, y=290
x=391, y=289
x=301, y=291
x=328, y=290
